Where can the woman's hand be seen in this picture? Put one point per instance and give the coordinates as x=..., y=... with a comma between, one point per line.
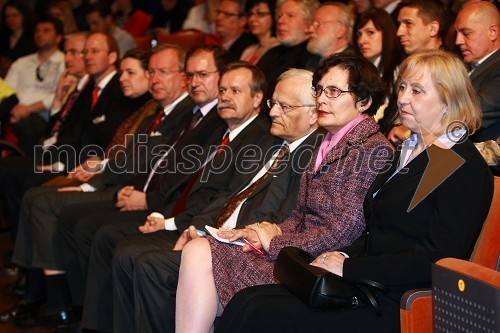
x=331, y=261
x=266, y=232
x=235, y=234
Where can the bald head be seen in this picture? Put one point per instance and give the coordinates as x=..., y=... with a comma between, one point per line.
x=477, y=30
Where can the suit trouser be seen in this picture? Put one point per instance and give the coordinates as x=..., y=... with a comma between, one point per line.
x=79, y=224
x=145, y=274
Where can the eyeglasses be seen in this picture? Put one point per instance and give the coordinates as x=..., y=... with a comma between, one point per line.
x=226, y=14
x=258, y=14
x=316, y=24
x=40, y=76
x=330, y=91
x=285, y=107
x=92, y=52
x=201, y=75
x=162, y=73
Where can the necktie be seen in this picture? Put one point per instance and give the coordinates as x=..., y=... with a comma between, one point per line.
x=154, y=179
x=180, y=205
x=65, y=111
x=159, y=117
x=235, y=201
x=472, y=67
x=95, y=97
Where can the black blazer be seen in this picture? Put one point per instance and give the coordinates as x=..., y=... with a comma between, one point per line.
x=138, y=162
x=486, y=82
x=184, y=160
x=399, y=245
x=230, y=170
x=274, y=198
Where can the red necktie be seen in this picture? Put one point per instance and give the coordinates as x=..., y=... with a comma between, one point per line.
x=180, y=205
x=65, y=111
x=95, y=97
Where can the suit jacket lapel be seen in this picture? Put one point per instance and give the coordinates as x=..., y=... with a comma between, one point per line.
x=483, y=67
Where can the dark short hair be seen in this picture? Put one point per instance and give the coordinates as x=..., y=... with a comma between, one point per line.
x=363, y=78
x=258, y=78
x=217, y=52
x=138, y=54
x=26, y=11
x=428, y=11
x=102, y=8
x=272, y=9
x=56, y=23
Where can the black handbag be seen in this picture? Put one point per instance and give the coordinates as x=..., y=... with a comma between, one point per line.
x=319, y=288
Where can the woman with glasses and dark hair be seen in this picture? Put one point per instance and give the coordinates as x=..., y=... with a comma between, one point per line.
x=329, y=210
x=261, y=22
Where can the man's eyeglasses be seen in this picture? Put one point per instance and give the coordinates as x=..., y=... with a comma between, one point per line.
x=258, y=14
x=316, y=23
x=285, y=107
x=226, y=14
x=330, y=91
x=162, y=73
x=40, y=75
x=201, y=75
x=92, y=52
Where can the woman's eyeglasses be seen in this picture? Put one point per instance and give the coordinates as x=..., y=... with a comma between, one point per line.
x=330, y=91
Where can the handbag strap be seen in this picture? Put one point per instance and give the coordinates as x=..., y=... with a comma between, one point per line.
x=363, y=284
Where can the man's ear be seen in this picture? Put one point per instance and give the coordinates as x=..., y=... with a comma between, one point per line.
x=257, y=99
x=112, y=58
x=493, y=32
x=434, y=29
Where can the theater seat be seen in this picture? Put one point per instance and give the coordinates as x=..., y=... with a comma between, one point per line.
x=416, y=313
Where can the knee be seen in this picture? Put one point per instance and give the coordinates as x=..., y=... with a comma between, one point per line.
x=125, y=257
x=197, y=250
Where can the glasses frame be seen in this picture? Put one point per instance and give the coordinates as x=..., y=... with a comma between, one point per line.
x=317, y=23
x=285, y=108
x=227, y=14
x=315, y=94
x=201, y=75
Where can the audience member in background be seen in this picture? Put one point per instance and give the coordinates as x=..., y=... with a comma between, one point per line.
x=390, y=6
x=361, y=6
x=330, y=32
x=34, y=78
x=131, y=16
x=260, y=14
x=478, y=36
x=62, y=10
x=293, y=18
x=376, y=40
x=434, y=92
x=170, y=17
x=80, y=8
x=230, y=25
x=202, y=17
x=422, y=26
x=329, y=209
x=16, y=34
x=30, y=252
x=100, y=19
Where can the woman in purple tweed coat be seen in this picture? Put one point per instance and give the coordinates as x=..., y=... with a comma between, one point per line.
x=329, y=211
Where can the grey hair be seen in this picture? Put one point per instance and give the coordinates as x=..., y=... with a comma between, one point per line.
x=305, y=77
x=307, y=8
x=346, y=16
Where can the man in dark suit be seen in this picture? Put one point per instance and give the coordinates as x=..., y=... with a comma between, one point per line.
x=230, y=25
x=331, y=32
x=42, y=206
x=145, y=268
x=478, y=37
x=292, y=29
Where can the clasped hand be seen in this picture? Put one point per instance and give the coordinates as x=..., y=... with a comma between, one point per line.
x=130, y=199
x=259, y=234
x=331, y=261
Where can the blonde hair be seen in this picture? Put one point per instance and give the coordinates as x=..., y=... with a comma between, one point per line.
x=452, y=82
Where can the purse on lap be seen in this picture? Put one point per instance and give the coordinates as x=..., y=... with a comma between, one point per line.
x=317, y=287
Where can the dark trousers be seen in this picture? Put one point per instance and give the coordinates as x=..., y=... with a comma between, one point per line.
x=145, y=274
x=272, y=308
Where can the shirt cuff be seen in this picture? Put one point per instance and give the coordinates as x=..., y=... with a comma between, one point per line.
x=344, y=254
x=170, y=224
x=59, y=166
x=86, y=187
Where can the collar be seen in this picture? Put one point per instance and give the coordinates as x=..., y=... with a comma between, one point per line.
x=484, y=58
x=234, y=133
x=82, y=82
x=209, y=106
x=293, y=145
x=167, y=109
x=391, y=7
x=102, y=84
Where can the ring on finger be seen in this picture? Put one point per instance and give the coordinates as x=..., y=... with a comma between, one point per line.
x=323, y=261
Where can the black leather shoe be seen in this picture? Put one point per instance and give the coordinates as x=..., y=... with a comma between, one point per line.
x=11, y=270
x=20, y=310
x=66, y=317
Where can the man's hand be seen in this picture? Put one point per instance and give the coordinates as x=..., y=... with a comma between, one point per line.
x=131, y=199
x=45, y=168
x=19, y=112
x=188, y=235
x=152, y=224
x=70, y=189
